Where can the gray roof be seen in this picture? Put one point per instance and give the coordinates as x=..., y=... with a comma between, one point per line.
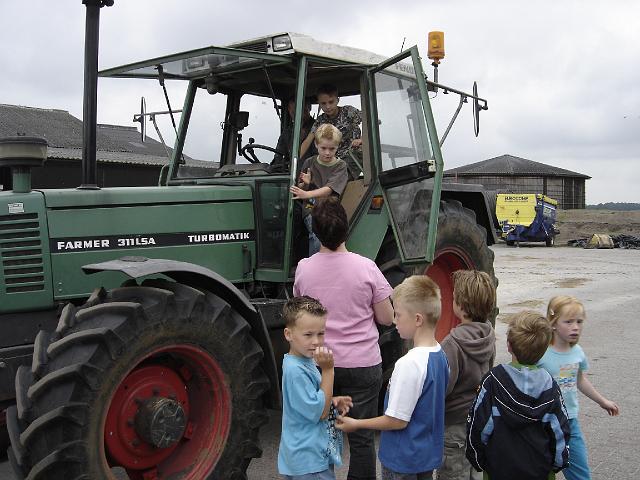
x=510, y=165
x=63, y=132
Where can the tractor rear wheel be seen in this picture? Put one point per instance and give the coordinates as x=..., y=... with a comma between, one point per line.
x=461, y=244
x=159, y=380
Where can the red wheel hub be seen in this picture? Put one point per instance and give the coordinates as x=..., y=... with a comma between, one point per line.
x=446, y=262
x=184, y=380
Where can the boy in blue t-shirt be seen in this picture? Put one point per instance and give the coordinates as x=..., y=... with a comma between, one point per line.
x=310, y=443
x=412, y=439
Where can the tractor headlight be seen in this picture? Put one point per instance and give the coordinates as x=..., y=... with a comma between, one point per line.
x=281, y=42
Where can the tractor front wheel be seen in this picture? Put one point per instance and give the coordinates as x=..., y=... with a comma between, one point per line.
x=161, y=381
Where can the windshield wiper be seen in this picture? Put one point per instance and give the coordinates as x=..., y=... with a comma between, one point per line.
x=166, y=97
x=273, y=95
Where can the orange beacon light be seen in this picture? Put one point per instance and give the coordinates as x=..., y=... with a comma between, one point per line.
x=436, y=46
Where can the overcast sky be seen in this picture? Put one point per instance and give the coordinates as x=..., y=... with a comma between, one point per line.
x=562, y=78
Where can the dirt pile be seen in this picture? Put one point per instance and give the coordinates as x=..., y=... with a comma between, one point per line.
x=583, y=223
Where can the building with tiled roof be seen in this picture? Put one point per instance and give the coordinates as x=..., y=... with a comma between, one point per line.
x=510, y=174
x=123, y=159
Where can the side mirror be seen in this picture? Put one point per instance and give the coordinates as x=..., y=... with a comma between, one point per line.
x=241, y=120
x=476, y=110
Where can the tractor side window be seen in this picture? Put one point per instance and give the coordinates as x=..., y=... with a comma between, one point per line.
x=204, y=137
x=264, y=126
x=401, y=122
x=410, y=205
x=272, y=197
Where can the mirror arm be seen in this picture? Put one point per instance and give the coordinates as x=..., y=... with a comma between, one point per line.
x=463, y=99
x=482, y=103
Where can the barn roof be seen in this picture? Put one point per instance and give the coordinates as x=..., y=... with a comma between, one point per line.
x=63, y=132
x=513, y=166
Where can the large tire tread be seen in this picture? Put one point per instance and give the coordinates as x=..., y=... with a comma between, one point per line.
x=105, y=336
x=24, y=378
x=76, y=413
x=18, y=470
x=40, y=358
x=60, y=461
x=17, y=448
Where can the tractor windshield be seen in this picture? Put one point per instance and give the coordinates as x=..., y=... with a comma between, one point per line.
x=221, y=82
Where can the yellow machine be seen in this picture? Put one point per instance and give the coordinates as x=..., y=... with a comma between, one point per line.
x=527, y=217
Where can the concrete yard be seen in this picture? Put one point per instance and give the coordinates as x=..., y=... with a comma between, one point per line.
x=608, y=282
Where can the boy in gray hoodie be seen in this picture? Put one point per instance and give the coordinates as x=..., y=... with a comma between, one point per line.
x=470, y=350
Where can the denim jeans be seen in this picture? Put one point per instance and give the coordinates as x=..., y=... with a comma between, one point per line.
x=314, y=243
x=363, y=386
x=578, y=464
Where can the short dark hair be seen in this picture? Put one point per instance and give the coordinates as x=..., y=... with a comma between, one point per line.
x=329, y=222
x=327, y=89
x=297, y=305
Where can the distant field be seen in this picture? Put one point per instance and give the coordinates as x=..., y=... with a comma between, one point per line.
x=583, y=223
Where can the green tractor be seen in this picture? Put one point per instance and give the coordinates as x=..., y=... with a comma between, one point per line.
x=142, y=325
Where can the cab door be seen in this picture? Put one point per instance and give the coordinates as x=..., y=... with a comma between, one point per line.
x=407, y=153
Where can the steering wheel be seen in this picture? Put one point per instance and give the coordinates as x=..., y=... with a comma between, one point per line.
x=248, y=153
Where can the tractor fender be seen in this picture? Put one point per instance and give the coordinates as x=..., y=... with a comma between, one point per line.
x=201, y=277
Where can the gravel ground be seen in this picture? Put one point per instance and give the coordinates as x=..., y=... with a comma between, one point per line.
x=607, y=282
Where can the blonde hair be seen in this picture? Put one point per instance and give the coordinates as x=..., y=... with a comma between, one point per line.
x=529, y=335
x=326, y=131
x=420, y=294
x=561, y=304
x=475, y=293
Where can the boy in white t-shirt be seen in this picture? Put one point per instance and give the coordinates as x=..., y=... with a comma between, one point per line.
x=412, y=439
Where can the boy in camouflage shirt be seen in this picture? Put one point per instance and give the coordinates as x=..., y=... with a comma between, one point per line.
x=347, y=119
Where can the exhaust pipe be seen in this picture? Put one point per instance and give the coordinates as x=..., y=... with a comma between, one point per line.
x=90, y=99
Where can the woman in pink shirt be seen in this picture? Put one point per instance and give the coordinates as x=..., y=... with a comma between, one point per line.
x=356, y=295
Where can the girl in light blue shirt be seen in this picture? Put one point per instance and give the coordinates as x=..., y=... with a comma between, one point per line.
x=566, y=362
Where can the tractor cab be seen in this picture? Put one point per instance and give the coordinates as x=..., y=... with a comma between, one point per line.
x=235, y=109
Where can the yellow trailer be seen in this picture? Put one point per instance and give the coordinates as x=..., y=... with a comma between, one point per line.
x=527, y=217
